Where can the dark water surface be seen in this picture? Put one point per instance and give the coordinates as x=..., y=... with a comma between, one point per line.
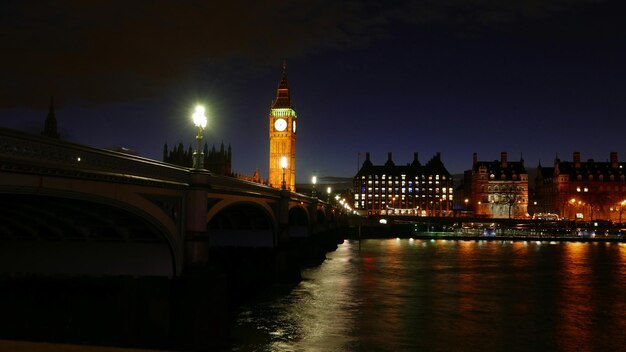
x=426, y=295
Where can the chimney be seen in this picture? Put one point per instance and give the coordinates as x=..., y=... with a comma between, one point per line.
x=503, y=159
x=577, y=160
x=474, y=158
x=389, y=162
x=614, y=160
x=415, y=157
x=367, y=156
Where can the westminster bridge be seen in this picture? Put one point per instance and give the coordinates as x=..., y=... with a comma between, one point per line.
x=73, y=215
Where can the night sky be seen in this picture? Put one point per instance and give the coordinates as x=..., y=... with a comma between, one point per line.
x=539, y=78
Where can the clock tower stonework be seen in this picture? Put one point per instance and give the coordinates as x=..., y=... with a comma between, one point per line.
x=282, y=125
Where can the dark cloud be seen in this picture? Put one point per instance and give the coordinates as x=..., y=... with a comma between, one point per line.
x=109, y=51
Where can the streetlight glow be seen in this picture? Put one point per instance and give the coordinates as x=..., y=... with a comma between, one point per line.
x=199, y=120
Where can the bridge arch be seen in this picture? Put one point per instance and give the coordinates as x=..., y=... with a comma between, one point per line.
x=298, y=222
x=241, y=224
x=76, y=233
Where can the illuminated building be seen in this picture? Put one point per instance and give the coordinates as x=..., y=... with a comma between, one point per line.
x=499, y=189
x=282, y=130
x=412, y=189
x=582, y=190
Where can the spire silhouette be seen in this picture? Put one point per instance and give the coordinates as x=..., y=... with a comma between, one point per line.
x=50, y=127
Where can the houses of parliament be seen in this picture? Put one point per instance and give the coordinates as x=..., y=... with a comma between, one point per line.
x=282, y=153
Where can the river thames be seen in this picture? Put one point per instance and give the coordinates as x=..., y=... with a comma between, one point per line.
x=446, y=295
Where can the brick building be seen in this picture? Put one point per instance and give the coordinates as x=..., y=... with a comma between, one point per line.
x=588, y=190
x=499, y=188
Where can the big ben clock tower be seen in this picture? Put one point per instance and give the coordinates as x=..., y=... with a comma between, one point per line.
x=282, y=126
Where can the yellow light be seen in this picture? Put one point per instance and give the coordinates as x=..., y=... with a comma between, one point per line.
x=314, y=179
x=283, y=162
x=199, y=119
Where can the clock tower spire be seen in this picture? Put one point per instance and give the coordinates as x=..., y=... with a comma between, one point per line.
x=282, y=128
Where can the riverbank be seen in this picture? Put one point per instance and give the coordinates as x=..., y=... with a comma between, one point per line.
x=380, y=231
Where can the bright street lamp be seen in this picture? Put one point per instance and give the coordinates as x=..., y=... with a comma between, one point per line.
x=313, y=181
x=199, y=120
x=328, y=191
x=283, y=165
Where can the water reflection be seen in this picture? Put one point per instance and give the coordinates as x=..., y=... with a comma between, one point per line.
x=444, y=296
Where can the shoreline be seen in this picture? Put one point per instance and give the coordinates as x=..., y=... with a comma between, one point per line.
x=447, y=236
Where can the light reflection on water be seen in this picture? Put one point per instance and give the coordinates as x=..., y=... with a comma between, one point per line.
x=399, y=295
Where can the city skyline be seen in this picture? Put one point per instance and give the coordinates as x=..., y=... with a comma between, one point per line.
x=539, y=79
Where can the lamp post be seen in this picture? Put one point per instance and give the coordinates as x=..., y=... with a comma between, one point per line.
x=283, y=165
x=199, y=120
x=313, y=181
x=328, y=191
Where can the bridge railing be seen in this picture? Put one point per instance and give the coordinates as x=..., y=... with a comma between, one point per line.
x=36, y=151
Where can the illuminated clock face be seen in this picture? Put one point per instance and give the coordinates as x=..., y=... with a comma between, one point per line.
x=294, y=126
x=280, y=124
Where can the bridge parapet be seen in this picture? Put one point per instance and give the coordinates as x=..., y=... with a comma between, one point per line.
x=37, y=152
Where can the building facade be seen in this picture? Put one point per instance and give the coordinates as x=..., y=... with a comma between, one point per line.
x=580, y=190
x=282, y=133
x=411, y=190
x=215, y=160
x=499, y=189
